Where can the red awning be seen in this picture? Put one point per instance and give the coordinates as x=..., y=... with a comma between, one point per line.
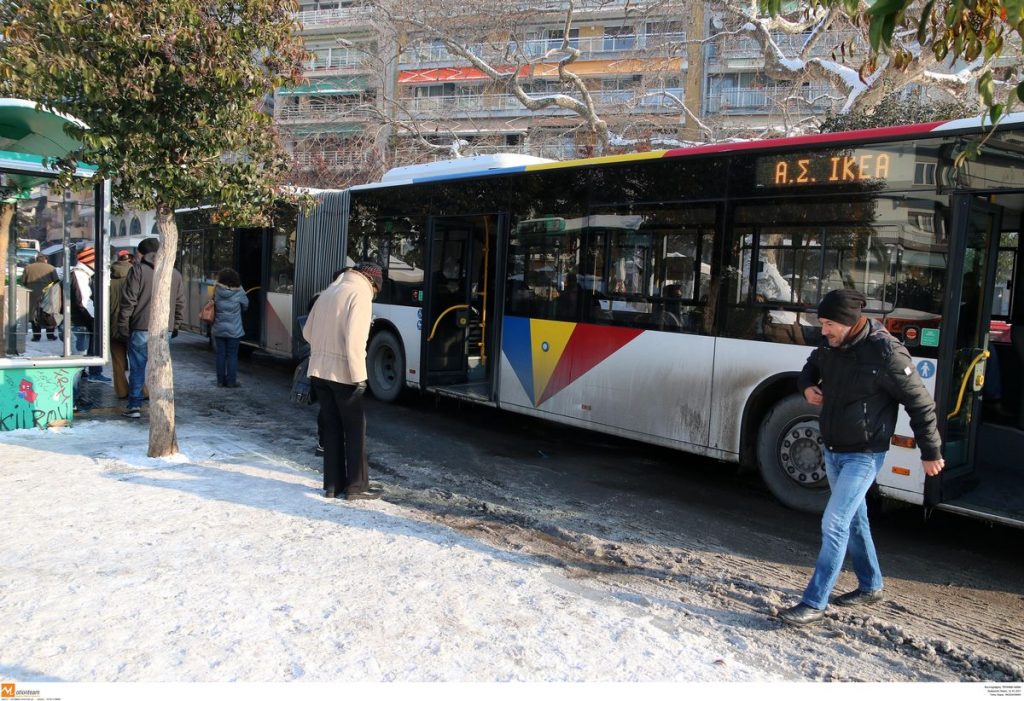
x=451, y=75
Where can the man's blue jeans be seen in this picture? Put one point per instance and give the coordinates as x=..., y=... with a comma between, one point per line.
x=84, y=343
x=138, y=356
x=845, y=528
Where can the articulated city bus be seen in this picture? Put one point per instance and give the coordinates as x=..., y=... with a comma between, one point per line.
x=670, y=296
x=281, y=266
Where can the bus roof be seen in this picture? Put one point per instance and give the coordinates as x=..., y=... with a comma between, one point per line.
x=462, y=167
x=471, y=167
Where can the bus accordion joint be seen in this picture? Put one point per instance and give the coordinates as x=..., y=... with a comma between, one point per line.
x=904, y=442
x=897, y=470
x=983, y=355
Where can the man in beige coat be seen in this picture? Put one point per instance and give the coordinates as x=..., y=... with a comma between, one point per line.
x=337, y=329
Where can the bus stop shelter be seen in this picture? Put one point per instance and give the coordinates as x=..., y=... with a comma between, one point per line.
x=37, y=386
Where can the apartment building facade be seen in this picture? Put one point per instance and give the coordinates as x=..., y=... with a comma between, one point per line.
x=658, y=78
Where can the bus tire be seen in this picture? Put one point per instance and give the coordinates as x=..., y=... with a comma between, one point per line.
x=790, y=455
x=385, y=366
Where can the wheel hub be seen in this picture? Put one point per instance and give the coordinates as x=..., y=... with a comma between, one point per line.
x=801, y=454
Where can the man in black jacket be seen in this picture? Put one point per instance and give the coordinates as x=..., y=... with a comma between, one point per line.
x=858, y=376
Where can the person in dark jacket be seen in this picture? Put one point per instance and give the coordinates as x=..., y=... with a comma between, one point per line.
x=37, y=277
x=119, y=270
x=230, y=301
x=133, y=319
x=859, y=376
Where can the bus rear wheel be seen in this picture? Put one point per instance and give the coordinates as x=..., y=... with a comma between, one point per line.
x=385, y=366
x=790, y=455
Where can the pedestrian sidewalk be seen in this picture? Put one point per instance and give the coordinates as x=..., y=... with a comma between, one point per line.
x=225, y=563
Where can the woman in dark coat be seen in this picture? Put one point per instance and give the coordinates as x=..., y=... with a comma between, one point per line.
x=230, y=301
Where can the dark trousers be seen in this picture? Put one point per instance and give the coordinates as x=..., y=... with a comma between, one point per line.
x=344, y=436
x=227, y=359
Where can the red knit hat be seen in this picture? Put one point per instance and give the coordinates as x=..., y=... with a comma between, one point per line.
x=87, y=256
x=373, y=272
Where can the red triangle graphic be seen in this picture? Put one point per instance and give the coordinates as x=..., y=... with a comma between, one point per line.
x=588, y=345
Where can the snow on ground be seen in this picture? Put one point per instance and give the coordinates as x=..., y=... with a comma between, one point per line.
x=229, y=565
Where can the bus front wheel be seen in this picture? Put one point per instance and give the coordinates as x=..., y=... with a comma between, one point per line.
x=385, y=366
x=790, y=455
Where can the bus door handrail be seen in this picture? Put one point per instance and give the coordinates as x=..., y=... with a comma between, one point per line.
x=983, y=355
x=441, y=316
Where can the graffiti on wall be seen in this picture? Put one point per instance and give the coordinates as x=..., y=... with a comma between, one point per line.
x=36, y=397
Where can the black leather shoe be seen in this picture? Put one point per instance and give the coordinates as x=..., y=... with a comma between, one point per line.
x=858, y=597
x=801, y=615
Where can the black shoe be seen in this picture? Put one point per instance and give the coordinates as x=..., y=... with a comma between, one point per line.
x=132, y=413
x=319, y=452
x=368, y=494
x=51, y=337
x=801, y=615
x=37, y=337
x=858, y=597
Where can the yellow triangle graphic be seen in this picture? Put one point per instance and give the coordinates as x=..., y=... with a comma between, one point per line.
x=547, y=343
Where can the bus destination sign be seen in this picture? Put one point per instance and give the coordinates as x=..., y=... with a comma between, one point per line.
x=842, y=167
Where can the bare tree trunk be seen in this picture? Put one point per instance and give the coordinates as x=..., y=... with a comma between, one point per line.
x=159, y=373
x=7, y=210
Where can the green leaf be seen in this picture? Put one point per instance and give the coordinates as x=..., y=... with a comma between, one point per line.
x=924, y=21
x=985, y=87
x=995, y=113
x=1020, y=91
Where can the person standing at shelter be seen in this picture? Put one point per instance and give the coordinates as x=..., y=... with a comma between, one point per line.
x=859, y=376
x=37, y=276
x=133, y=319
x=230, y=301
x=83, y=310
x=337, y=330
x=119, y=270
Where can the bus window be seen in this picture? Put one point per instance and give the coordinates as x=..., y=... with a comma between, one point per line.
x=1005, y=272
x=282, y=252
x=658, y=266
x=543, y=273
x=782, y=270
x=220, y=252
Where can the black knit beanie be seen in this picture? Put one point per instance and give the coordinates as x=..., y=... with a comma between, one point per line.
x=842, y=306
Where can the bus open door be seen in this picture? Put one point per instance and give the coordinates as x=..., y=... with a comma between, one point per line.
x=978, y=378
x=459, y=330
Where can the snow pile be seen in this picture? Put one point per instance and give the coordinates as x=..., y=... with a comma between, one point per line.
x=229, y=565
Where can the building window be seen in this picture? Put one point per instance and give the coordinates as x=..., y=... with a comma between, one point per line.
x=619, y=39
x=136, y=227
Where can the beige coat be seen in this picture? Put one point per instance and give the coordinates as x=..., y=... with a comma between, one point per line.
x=338, y=328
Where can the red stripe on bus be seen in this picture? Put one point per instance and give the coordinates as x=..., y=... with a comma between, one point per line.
x=837, y=139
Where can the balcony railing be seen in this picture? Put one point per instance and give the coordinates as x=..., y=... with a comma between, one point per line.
x=480, y=104
x=336, y=59
x=331, y=159
x=348, y=111
x=737, y=48
x=554, y=151
x=803, y=99
x=589, y=47
x=320, y=18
